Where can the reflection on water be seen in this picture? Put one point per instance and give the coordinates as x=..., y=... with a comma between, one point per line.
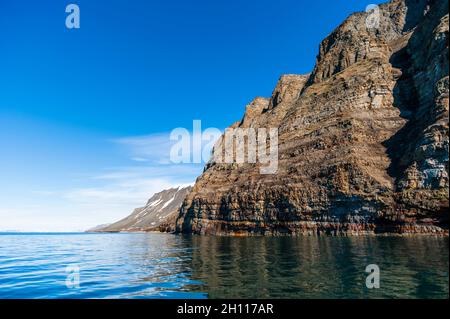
x=311, y=267
x=168, y=266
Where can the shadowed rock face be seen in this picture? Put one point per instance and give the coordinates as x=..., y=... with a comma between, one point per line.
x=363, y=139
x=159, y=213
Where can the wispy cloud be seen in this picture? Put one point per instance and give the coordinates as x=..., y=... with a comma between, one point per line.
x=124, y=193
x=177, y=173
x=154, y=148
x=119, y=190
x=139, y=159
x=43, y=192
x=115, y=191
x=81, y=208
x=101, y=195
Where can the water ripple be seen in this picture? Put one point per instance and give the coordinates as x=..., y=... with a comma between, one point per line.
x=167, y=266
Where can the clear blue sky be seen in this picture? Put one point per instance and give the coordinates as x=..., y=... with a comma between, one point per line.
x=83, y=112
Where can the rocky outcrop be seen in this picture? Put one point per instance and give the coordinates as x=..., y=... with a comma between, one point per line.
x=363, y=139
x=158, y=214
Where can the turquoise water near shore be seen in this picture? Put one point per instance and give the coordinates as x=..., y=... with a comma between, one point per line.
x=154, y=265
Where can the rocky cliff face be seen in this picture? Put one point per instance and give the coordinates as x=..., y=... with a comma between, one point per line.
x=363, y=139
x=159, y=213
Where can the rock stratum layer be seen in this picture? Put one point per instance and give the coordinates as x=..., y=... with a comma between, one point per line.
x=363, y=139
x=159, y=214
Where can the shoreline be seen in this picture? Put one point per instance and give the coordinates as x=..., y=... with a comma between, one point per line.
x=441, y=234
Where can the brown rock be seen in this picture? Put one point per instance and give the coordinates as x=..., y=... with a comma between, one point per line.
x=363, y=140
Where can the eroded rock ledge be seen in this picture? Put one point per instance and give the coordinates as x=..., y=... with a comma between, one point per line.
x=363, y=139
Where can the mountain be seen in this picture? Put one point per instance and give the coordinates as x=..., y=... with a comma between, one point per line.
x=97, y=228
x=159, y=213
x=363, y=140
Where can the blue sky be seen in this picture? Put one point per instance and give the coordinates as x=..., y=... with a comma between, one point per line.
x=85, y=113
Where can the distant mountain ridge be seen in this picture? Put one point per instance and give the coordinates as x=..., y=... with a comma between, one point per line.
x=98, y=227
x=160, y=211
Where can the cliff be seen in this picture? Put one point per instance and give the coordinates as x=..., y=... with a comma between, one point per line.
x=362, y=140
x=158, y=214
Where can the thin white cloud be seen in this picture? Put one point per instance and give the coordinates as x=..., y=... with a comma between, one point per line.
x=139, y=159
x=125, y=188
x=82, y=208
x=44, y=192
x=175, y=172
x=153, y=148
x=125, y=192
x=105, y=195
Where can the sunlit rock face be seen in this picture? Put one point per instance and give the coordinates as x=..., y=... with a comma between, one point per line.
x=363, y=139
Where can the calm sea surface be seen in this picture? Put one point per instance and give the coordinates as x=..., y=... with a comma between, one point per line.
x=169, y=266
